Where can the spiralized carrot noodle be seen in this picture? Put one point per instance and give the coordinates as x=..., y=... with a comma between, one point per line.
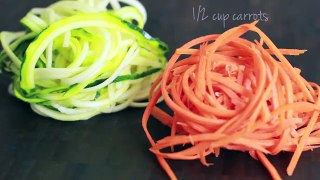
x=234, y=94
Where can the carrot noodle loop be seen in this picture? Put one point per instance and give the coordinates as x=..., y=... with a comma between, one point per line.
x=234, y=94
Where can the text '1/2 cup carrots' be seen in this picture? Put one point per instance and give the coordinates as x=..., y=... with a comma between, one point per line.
x=235, y=94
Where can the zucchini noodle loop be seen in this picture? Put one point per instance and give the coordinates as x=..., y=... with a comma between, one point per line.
x=80, y=58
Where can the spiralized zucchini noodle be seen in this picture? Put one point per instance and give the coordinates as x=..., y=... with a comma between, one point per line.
x=79, y=58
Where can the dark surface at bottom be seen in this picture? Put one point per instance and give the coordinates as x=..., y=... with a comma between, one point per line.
x=111, y=147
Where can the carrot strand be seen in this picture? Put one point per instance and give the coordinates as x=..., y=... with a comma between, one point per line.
x=236, y=94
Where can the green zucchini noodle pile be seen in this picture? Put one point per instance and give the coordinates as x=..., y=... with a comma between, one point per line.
x=79, y=58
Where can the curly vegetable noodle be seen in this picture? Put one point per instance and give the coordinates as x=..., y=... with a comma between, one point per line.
x=235, y=94
x=81, y=58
